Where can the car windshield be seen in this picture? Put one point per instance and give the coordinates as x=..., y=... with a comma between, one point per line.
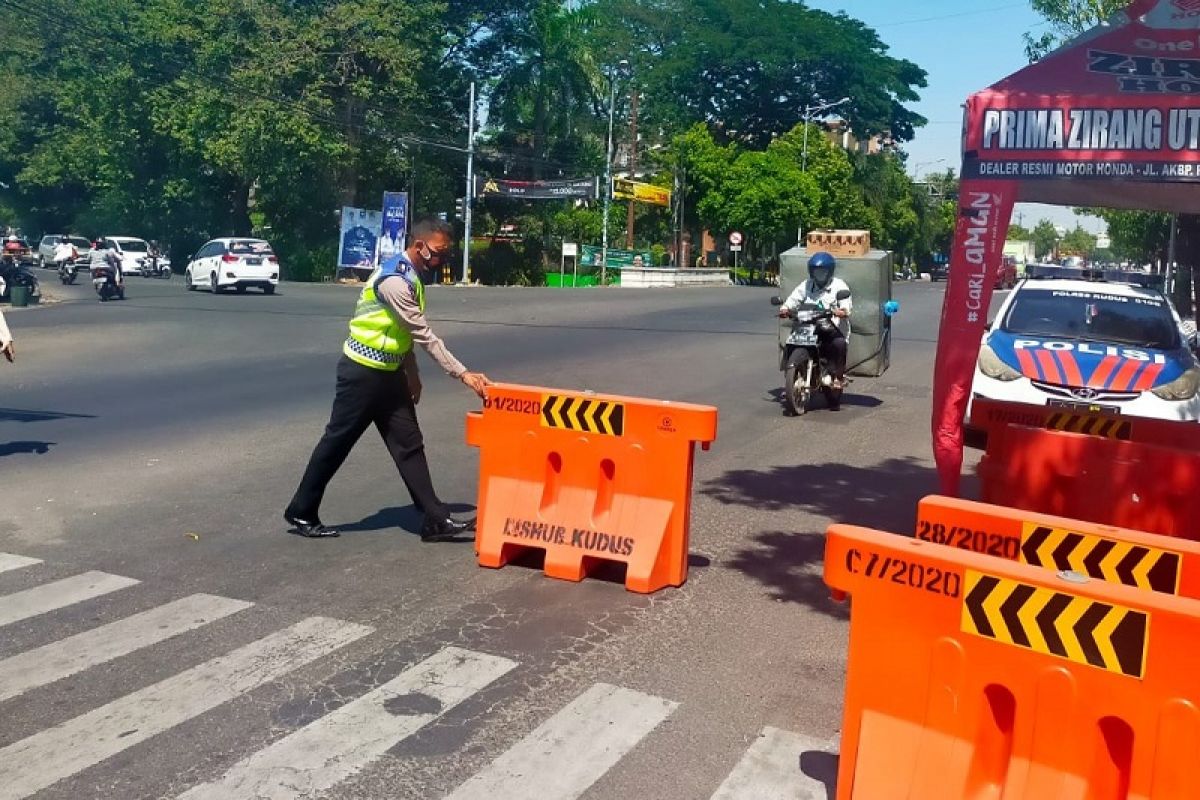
x=1144, y=320
x=79, y=241
x=251, y=248
x=133, y=245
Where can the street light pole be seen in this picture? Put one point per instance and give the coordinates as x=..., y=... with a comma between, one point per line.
x=469, y=198
x=808, y=112
x=612, y=102
x=633, y=148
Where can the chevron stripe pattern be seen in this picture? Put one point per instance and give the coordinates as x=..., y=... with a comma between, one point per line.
x=1104, y=559
x=1084, y=631
x=1107, y=427
x=583, y=414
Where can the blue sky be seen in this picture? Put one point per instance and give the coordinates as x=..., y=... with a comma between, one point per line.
x=963, y=45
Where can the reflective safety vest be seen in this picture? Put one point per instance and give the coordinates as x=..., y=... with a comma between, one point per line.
x=378, y=339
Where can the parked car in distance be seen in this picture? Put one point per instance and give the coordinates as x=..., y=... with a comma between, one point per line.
x=131, y=250
x=233, y=263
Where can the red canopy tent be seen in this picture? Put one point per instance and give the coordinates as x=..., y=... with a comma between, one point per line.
x=1112, y=119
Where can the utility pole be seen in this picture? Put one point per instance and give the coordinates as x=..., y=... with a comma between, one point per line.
x=612, y=102
x=470, y=195
x=633, y=148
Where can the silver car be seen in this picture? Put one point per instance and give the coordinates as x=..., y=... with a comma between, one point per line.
x=45, y=249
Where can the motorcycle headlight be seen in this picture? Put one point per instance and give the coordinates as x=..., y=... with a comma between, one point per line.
x=991, y=365
x=1182, y=388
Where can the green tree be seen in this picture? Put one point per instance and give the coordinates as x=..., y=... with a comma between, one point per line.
x=1045, y=239
x=550, y=84
x=1017, y=233
x=1078, y=242
x=1138, y=236
x=748, y=68
x=1067, y=19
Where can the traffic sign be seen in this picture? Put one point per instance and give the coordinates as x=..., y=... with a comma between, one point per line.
x=735, y=238
x=735, y=248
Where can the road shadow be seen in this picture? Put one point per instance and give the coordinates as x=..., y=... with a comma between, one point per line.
x=822, y=767
x=406, y=518
x=28, y=415
x=15, y=448
x=881, y=496
x=788, y=563
x=849, y=399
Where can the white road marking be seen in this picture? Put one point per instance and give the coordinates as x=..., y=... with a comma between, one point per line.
x=340, y=744
x=9, y=561
x=43, y=759
x=59, y=594
x=66, y=657
x=771, y=770
x=571, y=750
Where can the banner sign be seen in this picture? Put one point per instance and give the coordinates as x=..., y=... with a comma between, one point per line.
x=591, y=255
x=395, y=224
x=624, y=189
x=1130, y=112
x=578, y=189
x=359, y=237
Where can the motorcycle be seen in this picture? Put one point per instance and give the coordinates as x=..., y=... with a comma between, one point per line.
x=104, y=282
x=155, y=266
x=805, y=370
x=13, y=274
x=68, y=270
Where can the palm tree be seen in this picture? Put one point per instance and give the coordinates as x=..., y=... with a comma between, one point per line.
x=552, y=80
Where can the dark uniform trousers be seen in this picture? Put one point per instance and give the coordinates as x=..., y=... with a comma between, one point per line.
x=365, y=396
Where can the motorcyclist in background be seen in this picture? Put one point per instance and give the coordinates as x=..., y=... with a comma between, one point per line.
x=820, y=292
x=107, y=258
x=64, y=251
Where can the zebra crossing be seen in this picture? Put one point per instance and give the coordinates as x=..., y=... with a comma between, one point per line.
x=561, y=759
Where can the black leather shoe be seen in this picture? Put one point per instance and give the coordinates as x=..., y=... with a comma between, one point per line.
x=313, y=529
x=436, y=530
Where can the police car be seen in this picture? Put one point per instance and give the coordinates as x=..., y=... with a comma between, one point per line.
x=1107, y=341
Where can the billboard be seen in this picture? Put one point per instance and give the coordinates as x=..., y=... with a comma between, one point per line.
x=359, y=238
x=591, y=255
x=395, y=224
x=624, y=189
x=576, y=189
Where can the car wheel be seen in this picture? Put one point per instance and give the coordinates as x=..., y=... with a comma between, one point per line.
x=187, y=281
x=213, y=286
x=268, y=289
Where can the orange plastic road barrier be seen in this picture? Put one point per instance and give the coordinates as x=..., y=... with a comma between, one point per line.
x=1117, y=555
x=988, y=415
x=974, y=677
x=1132, y=485
x=587, y=477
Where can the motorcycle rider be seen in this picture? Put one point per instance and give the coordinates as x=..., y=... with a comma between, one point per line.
x=820, y=291
x=64, y=251
x=107, y=258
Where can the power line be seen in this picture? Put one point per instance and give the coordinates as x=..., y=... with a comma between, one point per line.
x=954, y=15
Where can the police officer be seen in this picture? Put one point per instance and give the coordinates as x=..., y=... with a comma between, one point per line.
x=378, y=383
x=820, y=290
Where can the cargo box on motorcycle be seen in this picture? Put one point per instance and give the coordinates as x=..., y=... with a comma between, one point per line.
x=869, y=276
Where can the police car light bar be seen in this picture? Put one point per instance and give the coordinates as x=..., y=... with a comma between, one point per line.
x=1131, y=277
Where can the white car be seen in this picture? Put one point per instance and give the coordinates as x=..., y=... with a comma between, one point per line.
x=233, y=263
x=131, y=250
x=1106, y=346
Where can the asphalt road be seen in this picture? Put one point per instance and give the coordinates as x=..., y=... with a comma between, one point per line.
x=158, y=439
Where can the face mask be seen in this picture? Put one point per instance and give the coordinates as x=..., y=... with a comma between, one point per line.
x=434, y=258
